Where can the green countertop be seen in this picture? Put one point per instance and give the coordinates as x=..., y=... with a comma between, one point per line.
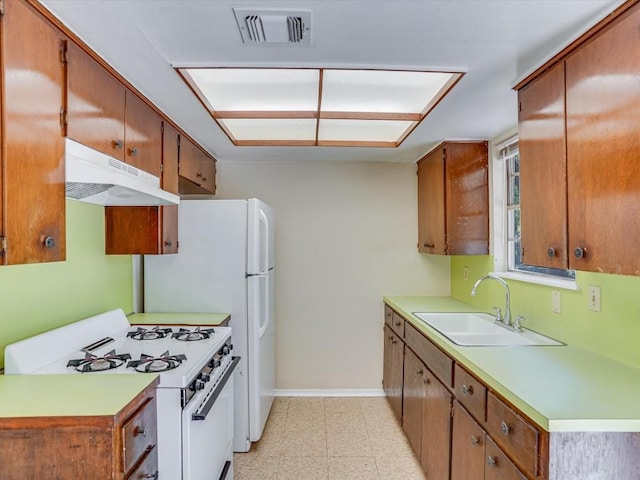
x=561, y=388
x=23, y=396
x=177, y=318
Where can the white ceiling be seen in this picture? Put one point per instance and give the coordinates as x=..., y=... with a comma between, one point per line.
x=495, y=42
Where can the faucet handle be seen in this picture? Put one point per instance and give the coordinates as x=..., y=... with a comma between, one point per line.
x=498, y=311
x=517, y=324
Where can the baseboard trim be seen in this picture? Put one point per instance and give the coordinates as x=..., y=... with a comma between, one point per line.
x=320, y=392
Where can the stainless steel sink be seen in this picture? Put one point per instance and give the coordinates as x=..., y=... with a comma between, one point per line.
x=480, y=330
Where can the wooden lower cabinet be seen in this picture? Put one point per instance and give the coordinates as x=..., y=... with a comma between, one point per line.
x=393, y=370
x=412, y=398
x=467, y=446
x=119, y=447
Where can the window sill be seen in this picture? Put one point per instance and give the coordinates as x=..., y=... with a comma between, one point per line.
x=564, y=283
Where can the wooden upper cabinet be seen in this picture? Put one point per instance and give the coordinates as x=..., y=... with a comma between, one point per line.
x=453, y=202
x=170, y=145
x=603, y=149
x=95, y=105
x=543, y=170
x=196, y=169
x=33, y=188
x=143, y=135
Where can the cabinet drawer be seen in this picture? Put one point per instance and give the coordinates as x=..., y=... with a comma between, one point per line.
x=148, y=469
x=434, y=358
x=513, y=434
x=499, y=467
x=139, y=434
x=397, y=324
x=388, y=315
x=471, y=393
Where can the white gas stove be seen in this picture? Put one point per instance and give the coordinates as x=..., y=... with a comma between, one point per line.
x=194, y=395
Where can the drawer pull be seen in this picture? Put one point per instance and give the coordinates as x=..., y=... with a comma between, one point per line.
x=398, y=324
x=116, y=144
x=474, y=440
x=152, y=475
x=144, y=431
x=506, y=429
x=419, y=371
x=467, y=390
x=491, y=461
x=394, y=341
x=426, y=381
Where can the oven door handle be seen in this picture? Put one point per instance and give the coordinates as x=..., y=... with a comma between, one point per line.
x=202, y=414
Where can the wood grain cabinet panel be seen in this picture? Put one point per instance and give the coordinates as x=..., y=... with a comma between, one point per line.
x=467, y=447
x=603, y=147
x=498, y=466
x=471, y=393
x=412, y=399
x=543, y=170
x=393, y=369
x=143, y=136
x=33, y=190
x=196, y=169
x=95, y=105
x=436, y=428
x=437, y=361
x=453, y=201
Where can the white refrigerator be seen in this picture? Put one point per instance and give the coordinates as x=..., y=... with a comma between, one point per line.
x=226, y=263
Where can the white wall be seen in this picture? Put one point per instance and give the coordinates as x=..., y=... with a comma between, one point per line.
x=346, y=235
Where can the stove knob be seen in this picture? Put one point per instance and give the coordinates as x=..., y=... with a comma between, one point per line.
x=226, y=350
x=216, y=363
x=205, y=377
x=197, y=385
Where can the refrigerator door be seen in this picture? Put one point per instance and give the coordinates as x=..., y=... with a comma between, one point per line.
x=261, y=308
x=261, y=237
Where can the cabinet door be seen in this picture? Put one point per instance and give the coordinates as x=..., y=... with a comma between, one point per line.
x=393, y=371
x=189, y=166
x=436, y=428
x=543, y=170
x=467, y=198
x=467, y=447
x=431, y=206
x=499, y=467
x=603, y=149
x=34, y=174
x=412, y=396
x=208, y=169
x=95, y=105
x=143, y=135
x=170, y=145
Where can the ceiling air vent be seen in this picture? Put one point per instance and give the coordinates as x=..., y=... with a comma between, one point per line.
x=274, y=26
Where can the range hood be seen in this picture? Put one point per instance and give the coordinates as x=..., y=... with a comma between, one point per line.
x=92, y=176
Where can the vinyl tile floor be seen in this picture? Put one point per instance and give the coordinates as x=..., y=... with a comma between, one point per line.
x=329, y=439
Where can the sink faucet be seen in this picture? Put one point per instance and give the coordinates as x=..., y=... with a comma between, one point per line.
x=507, y=307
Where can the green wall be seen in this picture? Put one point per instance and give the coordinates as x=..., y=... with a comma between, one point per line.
x=613, y=332
x=38, y=297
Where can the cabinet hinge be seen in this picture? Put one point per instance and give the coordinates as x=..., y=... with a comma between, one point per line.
x=64, y=52
x=451, y=410
x=3, y=245
x=64, y=118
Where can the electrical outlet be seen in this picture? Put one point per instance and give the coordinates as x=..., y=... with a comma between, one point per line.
x=556, y=302
x=466, y=274
x=593, y=291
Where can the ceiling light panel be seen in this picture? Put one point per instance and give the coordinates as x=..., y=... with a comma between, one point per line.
x=361, y=130
x=381, y=90
x=257, y=90
x=266, y=130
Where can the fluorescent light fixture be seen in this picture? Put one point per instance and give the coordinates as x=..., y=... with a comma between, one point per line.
x=316, y=107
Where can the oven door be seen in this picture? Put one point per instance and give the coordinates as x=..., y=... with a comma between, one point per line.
x=207, y=431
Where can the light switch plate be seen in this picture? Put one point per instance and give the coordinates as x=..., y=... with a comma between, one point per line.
x=593, y=293
x=556, y=301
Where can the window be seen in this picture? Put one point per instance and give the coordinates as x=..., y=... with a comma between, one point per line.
x=507, y=237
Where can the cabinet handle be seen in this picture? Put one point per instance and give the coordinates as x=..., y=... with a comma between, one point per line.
x=144, y=431
x=116, y=144
x=198, y=175
x=49, y=242
x=204, y=179
x=151, y=475
x=467, y=390
x=398, y=324
x=474, y=440
x=551, y=252
x=505, y=428
x=491, y=461
x=394, y=341
x=419, y=371
x=426, y=381
x=133, y=151
x=168, y=243
x=580, y=252
x=429, y=245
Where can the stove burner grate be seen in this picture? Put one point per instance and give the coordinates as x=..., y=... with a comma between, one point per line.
x=149, y=333
x=93, y=363
x=151, y=364
x=186, y=335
